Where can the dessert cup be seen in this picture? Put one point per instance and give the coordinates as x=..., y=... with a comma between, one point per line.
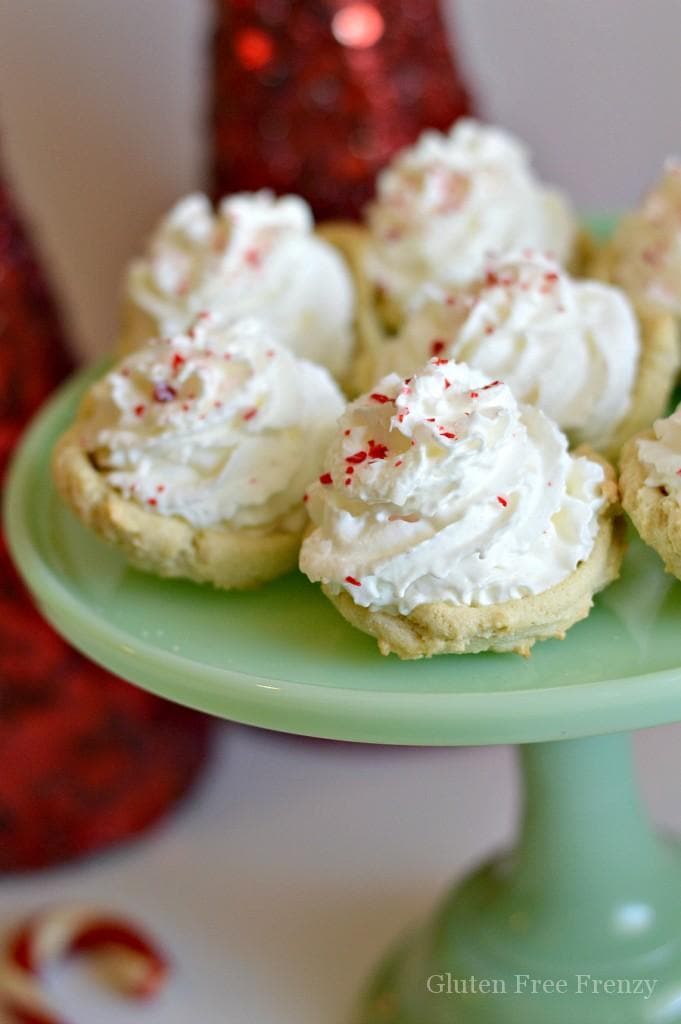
x=254, y=255
x=643, y=254
x=644, y=348
x=192, y=455
x=169, y=545
x=510, y=626
x=377, y=320
x=653, y=508
x=452, y=519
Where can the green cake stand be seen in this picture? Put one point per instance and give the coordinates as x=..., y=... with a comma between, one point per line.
x=581, y=922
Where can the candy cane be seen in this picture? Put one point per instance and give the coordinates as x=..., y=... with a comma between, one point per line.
x=52, y=935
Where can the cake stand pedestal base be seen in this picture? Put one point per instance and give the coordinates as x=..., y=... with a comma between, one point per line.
x=580, y=923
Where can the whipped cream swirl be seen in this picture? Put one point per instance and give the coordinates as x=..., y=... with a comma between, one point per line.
x=219, y=425
x=570, y=347
x=444, y=205
x=646, y=246
x=662, y=456
x=254, y=256
x=443, y=488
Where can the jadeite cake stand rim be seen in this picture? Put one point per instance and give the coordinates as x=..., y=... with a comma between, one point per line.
x=418, y=709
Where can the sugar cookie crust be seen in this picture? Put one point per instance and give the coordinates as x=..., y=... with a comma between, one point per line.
x=442, y=628
x=169, y=546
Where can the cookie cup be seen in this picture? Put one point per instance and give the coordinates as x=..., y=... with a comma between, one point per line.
x=659, y=364
x=137, y=326
x=169, y=546
x=656, y=515
x=516, y=625
x=377, y=318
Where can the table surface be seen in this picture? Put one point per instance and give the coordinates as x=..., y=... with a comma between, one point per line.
x=282, y=657
x=295, y=866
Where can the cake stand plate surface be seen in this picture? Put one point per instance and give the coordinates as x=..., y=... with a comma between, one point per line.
x=582, y=921
x=281, y=657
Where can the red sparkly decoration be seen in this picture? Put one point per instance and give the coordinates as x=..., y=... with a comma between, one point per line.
x=87, y=760
x=315, y=96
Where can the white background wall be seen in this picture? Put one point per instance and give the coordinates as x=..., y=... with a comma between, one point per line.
x=101, y=113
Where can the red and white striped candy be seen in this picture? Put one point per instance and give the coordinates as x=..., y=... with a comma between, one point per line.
x=52, y=935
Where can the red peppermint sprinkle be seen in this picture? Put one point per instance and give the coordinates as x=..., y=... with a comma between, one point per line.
x=164, y=392
x=139, y=410
x=326, y=479
x=377, y=451
x=448, y=384
x=382, y=399
x=398, y=463
x=502, y=501
x=306, y=497
x=152, y=501
x=348, y=481
x=160, y=488
x=473, y=394
x=551, y=276
x=446, y=433
x=177, y=362
x=437, y=346
x=440, y=361
x=346, y=433
x=491, y=278
x=494, y=384
x=249, y=414
x=349, y=470
x=253, y=257
x=678, y=472
x=351, y=579
x=356, y=458
x=490, y=329
x=430, y=419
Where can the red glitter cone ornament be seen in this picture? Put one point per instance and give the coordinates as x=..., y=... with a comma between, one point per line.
x=87, y=760
x=315, y=96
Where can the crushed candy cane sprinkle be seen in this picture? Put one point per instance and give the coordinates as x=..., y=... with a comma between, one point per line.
x=448, y=491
